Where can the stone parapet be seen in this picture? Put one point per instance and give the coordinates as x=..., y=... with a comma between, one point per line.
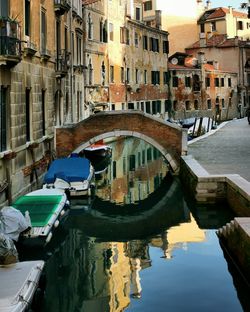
x=235, y=237
x=207, y=188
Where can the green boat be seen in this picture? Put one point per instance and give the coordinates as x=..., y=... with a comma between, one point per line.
x=45, y=208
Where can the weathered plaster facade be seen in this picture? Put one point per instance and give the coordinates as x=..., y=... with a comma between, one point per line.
x=202, y=90
x=41, y=86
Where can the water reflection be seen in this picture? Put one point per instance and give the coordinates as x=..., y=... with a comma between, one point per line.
x=138, y=245
x=136, y=170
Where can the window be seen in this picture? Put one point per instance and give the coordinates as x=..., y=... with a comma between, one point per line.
x=196, y=83
x=90, y=73
x=127, y=36
x=155, y=77
x=90, y=27
x=111, y=73
x=136, y=39
x=147, y=5
x=43, y=32
x=175, y=81
x=154, y=44
x=207, y=81
x=188, y=82
x=213, y=26
x=145, y=76
x=103, y=73
x=128, y=75
x=154, y=107
x=66, y=39
x=196, y=104
x=223, y=103
x=43, y=112
x=166, y=77
x=103, y=31
x=202, y=28
x=216, y=82
x=240, y=25
x=137, y=76
x=175, y=105
x=27, y=115
x=229, y=82
x=78, y=50
x=148, y=110
x=3, y=118
x=142, y=106
x=222, y=82
x=4, y=8
x=187, y=105
x=209, y=104
x=145, y=42
x=131, y=105
x=111, y=32
x=165, y=46
x=138, y=14
x=27, y=17
x=122, y=35
x=122, y=74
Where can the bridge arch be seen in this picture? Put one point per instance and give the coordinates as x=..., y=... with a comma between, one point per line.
x=168, y=138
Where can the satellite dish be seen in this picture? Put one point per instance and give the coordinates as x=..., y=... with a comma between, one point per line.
x=174, y=61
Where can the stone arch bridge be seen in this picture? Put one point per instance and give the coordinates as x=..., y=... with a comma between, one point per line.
x=167, y=137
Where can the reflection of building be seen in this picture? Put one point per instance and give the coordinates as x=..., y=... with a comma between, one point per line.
x=136, y=170
x=178, y=236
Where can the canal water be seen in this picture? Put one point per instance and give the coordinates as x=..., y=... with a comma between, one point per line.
x=139, y=245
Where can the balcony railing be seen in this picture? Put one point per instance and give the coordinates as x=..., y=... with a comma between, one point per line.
x=62, y=63
x=61, y=6
x=10, y=44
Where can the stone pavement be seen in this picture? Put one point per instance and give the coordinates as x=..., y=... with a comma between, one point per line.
x=225, y=150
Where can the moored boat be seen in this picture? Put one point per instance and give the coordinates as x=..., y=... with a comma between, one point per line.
x=97, y=151
x=75, y=175
x=45, y=208
x=19, y=285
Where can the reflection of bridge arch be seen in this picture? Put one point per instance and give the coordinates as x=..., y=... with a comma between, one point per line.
x=168, y=138
x=108, y=221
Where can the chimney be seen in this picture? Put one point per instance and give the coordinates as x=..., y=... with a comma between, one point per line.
x=216, y=65
x=208, y=6
x=230, y=10
x=203, y=41
x=158, y=19
x=201, y=58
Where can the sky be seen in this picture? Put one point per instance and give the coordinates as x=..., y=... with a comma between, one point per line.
x=225, y=3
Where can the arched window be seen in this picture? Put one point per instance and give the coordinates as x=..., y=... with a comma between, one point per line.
x=90, y=72
x=103, y=73
x=90, y=27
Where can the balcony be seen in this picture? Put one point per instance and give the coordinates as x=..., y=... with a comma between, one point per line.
x=10, y=44
x=30, y=48
x=45, y=54
x=62, y=63
x=61, y=6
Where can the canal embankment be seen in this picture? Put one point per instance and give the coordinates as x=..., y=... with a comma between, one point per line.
x=217, y=169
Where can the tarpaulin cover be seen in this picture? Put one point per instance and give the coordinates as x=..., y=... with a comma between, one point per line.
x=69, y=169
x=13, y=222
x=40, y=207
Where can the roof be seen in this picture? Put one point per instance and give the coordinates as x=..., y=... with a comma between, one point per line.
x=69, y=169
x=220, y=13
x=86, y=2
x=215, y=40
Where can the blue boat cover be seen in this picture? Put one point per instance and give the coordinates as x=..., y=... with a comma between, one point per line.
x=69, y=169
